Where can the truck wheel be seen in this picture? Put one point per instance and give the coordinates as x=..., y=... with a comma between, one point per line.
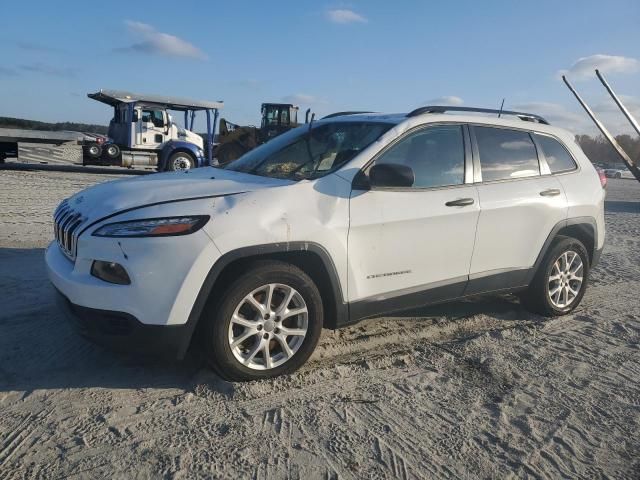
x=266, y=323
x=95, y=151
x=561, y=280
x=113, y=151
x=180, y=161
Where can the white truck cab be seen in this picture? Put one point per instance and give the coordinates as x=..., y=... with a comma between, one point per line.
x=349, y=217
x=142, y=132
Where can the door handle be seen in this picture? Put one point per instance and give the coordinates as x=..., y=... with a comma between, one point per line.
x=552, y=192
x=461, y=202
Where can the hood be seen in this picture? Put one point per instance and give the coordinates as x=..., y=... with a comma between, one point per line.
x=111, y=197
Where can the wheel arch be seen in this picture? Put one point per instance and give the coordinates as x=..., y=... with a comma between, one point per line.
x=310, y=257
x=584, y=229
x=172, y=147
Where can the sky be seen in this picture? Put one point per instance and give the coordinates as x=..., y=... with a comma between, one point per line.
x=329, y=56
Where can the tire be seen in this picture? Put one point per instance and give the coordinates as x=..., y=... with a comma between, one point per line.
x=94, y=151
x=180, y=161
x=260, y=329
x=618, y=175
x=112, y=151
x=539, y=297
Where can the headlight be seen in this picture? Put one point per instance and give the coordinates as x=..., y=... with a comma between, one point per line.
x=153, y=227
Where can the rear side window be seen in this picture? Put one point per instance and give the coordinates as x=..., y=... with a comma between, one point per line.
x=506, y=154
x=557, y=156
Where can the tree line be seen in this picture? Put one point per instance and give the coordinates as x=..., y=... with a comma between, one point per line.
x=600, y=152
x=9, y=122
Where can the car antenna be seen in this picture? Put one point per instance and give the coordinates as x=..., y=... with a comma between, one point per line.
x=501, y=107
x=313, y=116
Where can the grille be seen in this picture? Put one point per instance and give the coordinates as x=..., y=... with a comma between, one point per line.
x=66, y=223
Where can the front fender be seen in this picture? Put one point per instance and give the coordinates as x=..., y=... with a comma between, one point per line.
x=173, y=146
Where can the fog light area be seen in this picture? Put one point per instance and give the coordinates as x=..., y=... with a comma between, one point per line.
x=110, y=272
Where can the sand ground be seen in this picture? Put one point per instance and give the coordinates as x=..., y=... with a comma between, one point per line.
x=479, y=388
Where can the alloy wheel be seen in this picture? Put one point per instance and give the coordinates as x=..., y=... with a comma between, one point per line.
x=565, y=280
x=268, y=326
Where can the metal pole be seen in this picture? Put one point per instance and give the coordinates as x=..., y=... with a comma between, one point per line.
x=209, y=137
x=186, y=120
x=624, y=110
x=614, y=143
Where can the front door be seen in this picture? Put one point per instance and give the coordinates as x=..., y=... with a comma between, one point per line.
x=411, y=246
x=151, y=128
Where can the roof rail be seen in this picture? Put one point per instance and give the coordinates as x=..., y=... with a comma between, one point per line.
x=340, y=114
x=527, y=117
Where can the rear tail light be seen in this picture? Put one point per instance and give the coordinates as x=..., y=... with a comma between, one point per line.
x=603, y=178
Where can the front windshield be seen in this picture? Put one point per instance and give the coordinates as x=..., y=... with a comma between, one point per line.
x=303, y=154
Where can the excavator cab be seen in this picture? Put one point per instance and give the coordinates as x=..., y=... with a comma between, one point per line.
x=277, y=118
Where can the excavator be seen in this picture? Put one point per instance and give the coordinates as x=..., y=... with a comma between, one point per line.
x=632, y=164
x=235, y=140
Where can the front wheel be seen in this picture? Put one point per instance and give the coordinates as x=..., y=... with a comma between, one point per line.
x=180, y=161
x=561, y=279
x=267, y=323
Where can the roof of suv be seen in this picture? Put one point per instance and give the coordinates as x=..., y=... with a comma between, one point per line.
x=458, y=116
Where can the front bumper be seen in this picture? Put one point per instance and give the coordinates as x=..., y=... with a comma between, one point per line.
x=123, y=332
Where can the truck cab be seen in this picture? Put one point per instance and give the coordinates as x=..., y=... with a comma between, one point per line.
x=142, y=132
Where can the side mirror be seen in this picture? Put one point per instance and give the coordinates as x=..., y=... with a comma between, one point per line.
x=391, y=175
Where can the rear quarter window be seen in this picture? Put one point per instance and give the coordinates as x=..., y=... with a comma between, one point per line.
x=557, y=156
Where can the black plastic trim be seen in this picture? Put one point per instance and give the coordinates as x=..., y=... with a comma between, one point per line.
x=554, y=232
x=122, y=331
x=527, y=117
x=404, y=300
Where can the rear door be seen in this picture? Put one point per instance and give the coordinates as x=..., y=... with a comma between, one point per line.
x=410, y=246
x=520, y=203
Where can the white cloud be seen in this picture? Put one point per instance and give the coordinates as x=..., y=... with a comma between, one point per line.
x=160, y=43
x=450, y=100
x=585, y=67
x=345, y=16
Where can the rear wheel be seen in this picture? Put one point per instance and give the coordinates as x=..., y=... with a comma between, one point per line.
x=113, y=151
x=94, y=151
x=267, y=323
x=561, y=279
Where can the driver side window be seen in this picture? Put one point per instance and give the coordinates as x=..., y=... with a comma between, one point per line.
x=153, y=116
x=435, y=154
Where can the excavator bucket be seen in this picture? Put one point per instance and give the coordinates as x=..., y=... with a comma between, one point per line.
x=631, y=164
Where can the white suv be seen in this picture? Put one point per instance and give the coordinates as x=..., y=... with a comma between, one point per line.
x=353, y=216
